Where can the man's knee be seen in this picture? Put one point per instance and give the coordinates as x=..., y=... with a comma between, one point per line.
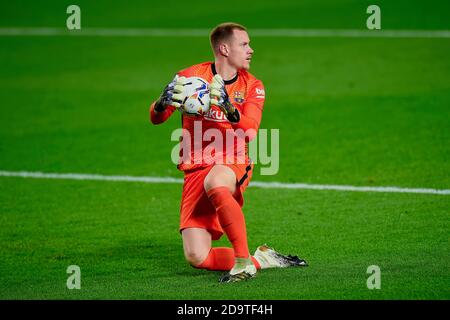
x=196, y=245
x=195, y=257
x=220, y=176
x=214, y=181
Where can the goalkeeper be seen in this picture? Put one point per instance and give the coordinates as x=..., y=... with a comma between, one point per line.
x=212, y=197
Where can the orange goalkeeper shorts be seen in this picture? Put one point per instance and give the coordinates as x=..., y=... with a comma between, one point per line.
x=196, y=209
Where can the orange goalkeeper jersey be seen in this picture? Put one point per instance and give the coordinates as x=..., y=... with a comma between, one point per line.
x=200, y=145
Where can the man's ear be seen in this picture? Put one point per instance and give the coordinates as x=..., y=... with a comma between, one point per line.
x=223, y=49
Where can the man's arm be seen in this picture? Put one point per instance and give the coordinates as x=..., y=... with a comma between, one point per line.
x=251, y=113
x=220, y=98
x=170, y=99
x=157, y=117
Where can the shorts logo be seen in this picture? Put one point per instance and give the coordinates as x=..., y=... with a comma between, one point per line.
x=238, y=97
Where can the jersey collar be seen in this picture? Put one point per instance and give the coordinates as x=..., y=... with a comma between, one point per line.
x=214, y=72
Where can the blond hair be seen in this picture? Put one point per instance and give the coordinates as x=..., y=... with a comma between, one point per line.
x=222, y=32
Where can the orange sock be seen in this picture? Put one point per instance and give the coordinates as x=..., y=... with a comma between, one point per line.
x=221, y=259
x=231, y=219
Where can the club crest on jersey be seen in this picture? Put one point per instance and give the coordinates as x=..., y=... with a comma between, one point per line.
x=238, y=98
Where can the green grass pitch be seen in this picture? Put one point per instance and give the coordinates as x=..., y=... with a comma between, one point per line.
x=351, y=111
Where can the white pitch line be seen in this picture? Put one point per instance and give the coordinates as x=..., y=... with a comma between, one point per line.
x=157, y=32
x=258, y=184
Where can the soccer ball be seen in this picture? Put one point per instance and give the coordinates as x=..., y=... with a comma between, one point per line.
x=196, y=101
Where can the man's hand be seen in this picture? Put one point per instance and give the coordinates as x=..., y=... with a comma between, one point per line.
x=172, y=94
x=219, y=97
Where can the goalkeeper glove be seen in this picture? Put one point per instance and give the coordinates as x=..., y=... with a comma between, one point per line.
x=171, y=95
x=219, y=97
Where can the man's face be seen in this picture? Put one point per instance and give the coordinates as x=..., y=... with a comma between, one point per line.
x=240, y=52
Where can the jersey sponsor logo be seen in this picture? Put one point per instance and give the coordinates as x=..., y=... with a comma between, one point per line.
x=238, y=97
x=215, y=115
x=260, y=93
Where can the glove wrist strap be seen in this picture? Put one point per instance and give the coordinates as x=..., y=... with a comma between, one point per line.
x=231, y=112
x=159, y=106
